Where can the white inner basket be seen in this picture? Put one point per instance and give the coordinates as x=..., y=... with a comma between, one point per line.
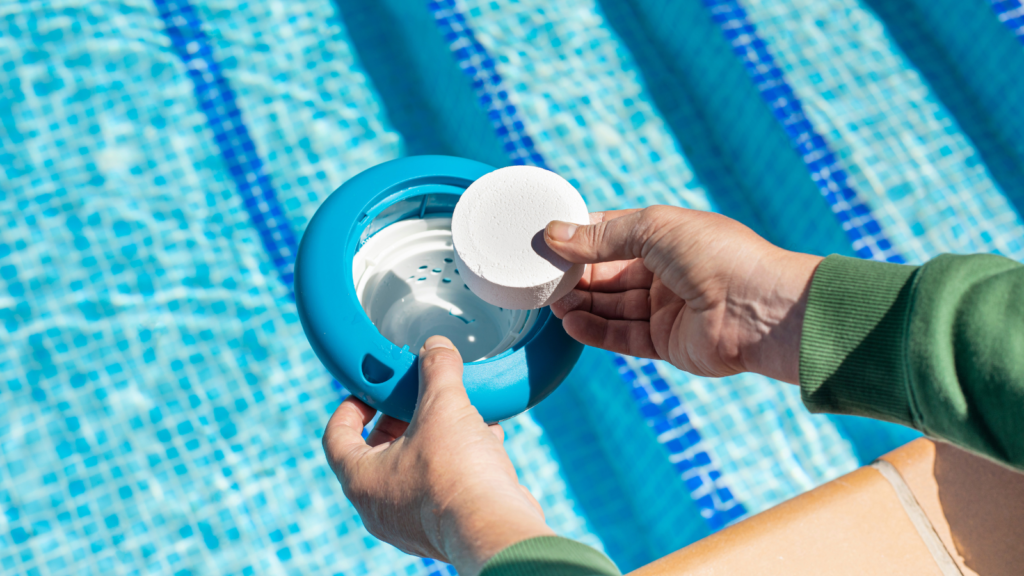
x=408, y=285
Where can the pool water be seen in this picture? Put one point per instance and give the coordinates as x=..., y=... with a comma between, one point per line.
x=162, y=410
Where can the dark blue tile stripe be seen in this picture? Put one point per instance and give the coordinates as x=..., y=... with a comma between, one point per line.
x=663, y=411
x=666, y=415
x=217, y=101
x=1011, y=14
x=860, y=225
x=476, y=63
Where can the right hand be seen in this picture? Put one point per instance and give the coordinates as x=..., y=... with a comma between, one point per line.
x=696, y=289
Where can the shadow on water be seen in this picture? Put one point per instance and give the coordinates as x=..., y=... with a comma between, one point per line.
x=593, y=479
x=550, y=357
x=427, y=97
x=728, y=133
x=974, y=64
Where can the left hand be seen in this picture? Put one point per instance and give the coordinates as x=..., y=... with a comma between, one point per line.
x=440, y=486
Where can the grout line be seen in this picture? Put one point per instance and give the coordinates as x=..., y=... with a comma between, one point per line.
x=855, y=216
x=217, y=101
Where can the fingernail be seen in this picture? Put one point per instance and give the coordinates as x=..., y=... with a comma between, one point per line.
x=561, y=231
x=436, y=342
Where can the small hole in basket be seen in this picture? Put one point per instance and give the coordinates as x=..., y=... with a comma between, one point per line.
x=446, y=280
x=375, y=371
x=449, y=260
x=436, y=270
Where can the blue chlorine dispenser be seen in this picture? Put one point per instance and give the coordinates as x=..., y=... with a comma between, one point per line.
x=375, y=277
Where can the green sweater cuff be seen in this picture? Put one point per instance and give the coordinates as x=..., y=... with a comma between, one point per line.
x=549, y=556
x=853, y=348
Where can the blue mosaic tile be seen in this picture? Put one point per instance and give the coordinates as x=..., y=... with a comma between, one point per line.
x=898, y=145
x=163, y=410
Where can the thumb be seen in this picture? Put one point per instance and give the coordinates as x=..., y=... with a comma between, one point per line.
x=441, y=387
x=612, y=238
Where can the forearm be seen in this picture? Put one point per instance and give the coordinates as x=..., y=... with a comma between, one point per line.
x=938, y=347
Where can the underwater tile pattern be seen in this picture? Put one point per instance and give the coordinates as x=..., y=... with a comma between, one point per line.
x=158, y=416
x=1011, y=14
x=217, y=101
x=866, y=236
x=539, y=469
x=900, y=147
x=687, y=450
x=163, y=410
x=766, y=445
x=314, y=116
x=578, y=95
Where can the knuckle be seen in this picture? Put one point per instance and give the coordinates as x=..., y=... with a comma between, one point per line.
x=439, y=359
x=652, y=220
x=656, y=213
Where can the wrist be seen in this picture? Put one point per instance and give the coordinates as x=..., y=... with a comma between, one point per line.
x=782, y=286
x=477, y=530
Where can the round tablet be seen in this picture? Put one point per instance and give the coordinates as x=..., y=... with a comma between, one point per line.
x=498, y=236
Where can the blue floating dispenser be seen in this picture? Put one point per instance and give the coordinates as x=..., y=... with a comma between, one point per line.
x=375, y=277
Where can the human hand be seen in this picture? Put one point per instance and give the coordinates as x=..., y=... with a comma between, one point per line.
x=440, y=486
x=697, y=289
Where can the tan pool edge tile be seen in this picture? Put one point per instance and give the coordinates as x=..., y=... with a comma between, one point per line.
x=854, y=525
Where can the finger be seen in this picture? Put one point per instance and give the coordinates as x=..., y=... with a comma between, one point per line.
x=620, y=238
x=616, y=276
x=343, y=437
x=441, y=389
x=628, y=305
x=630, y=337
x=498, y=431
x=387, y=429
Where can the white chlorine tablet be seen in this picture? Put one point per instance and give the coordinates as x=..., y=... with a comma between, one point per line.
x=498, y=235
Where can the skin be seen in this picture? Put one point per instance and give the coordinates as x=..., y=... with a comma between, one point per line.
x=440, y=486
x=696, y=289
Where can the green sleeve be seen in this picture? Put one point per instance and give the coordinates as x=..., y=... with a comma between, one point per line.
x=549, y=556
x=938, y=347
